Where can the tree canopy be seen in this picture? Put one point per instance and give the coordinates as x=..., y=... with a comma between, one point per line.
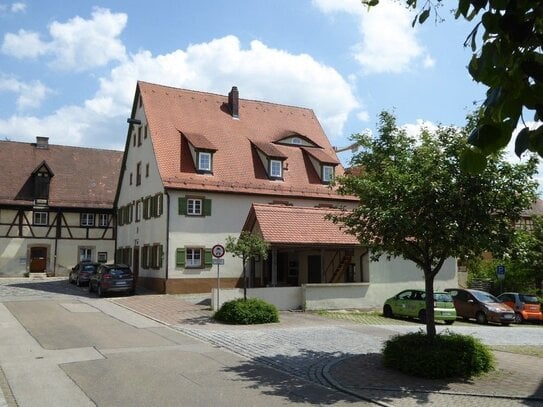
x=417, y=203
x=506, y=41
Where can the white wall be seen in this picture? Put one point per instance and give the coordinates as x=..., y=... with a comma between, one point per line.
x=284, y=298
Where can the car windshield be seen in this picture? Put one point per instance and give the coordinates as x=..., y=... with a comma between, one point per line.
x=484, y=297
x=529, y=299
x=89, y=267
x=119, y=272
x=443, y=297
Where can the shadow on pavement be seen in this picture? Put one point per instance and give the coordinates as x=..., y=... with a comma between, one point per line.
x=294, y=389
x=55, y=287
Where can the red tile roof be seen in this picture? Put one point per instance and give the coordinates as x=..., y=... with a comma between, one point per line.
x=321, y=156
x=83, y=177
x=236, y=165
x=296, y=225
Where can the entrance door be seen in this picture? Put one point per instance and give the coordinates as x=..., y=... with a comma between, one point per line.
x=38, y=259
x=314, y=268
x=136, y=262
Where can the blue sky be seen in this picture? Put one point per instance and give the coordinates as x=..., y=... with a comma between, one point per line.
x=68, y=70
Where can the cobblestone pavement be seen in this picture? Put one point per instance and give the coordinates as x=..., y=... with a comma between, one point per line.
x=340, y=354
x=346, y=355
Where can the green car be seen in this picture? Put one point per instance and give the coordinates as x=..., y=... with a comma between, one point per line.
x=412, y=303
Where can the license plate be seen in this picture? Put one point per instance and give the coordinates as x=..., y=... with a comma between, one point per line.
x=508, y=316
x=120, y=283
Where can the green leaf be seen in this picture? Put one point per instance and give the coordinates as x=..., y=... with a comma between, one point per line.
x=472, y=161
x=522, y=143
x=489, y=138
x=424, y=16
x=462, y=10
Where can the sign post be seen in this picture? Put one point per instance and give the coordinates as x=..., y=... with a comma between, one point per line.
x=500, y=273
x=218, y=251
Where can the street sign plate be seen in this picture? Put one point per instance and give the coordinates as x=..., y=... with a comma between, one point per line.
x=218, y=261
x=217, y=250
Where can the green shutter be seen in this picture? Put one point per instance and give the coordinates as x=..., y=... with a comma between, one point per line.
x=182, y=206
x=160, y=255
x=180, y=257
x=207, y=207
x=208, y=258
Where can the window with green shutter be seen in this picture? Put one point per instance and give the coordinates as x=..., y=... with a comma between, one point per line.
x=182, y=202
x=208, y=257
x=180, y=257
x=194, y=206
x=207, y=207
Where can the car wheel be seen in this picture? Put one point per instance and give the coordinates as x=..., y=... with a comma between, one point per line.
x=518, y=318
x=387, y=311
x=465, y=319
x=78, y=282
x=449, y=322
x=70, y=279
x=99, y=291
x=422, y=316
x=481, y=318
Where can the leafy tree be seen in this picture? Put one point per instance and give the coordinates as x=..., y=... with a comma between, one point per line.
x=246, y=246
x=509, y=62
x=416, y=202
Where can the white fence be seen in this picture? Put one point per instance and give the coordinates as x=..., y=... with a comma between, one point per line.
x=308, y=297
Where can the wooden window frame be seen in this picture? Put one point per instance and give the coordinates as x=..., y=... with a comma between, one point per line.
x=274, y=162
x=209, y=168
x=40, y=222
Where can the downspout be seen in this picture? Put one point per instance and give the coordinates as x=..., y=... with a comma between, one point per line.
x=58, y=233
x=167, y=237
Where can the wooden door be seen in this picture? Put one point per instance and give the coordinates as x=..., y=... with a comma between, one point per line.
x=38, y=259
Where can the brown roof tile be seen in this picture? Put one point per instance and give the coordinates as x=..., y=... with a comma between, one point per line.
x=296, y=225
x=320, y=155
x=236, y=166
x=200, y=141
x=83, y=177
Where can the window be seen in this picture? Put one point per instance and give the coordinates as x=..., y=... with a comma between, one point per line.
x=145, y=256
x=138, y=211
x=296, y=140
x=103, y=220
x=147, y=170
x=276, y=169
x=155, y=259
x=41, y=218
x=131, y=178
x=87, y=219
x=193, y=257
x=139, y=136
x=138, y=173
x=85, y=254
x=204, y=161
x=327, y=173
x=145, y=132
x=194, y=206
x=102, y=257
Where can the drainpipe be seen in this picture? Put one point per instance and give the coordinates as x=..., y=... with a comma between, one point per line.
x=57, y=235
x=167, y=238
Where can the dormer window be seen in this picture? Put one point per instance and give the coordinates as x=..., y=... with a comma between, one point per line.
x=296, y=140
x=327, y=173
x=276, y=169
x=204, y=161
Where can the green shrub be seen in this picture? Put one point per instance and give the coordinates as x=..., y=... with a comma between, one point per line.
x=446, y=355
x=247, y=312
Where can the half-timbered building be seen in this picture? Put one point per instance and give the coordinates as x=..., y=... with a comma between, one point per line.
x=56, y=206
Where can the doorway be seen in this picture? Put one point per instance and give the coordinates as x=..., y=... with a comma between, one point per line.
x=38, y=259
x=314, y=268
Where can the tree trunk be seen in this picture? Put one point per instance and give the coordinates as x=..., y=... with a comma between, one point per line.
x=244, y=282
x=429, y=288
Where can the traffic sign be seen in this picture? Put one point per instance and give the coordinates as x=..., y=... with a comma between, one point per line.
x=500, y=271
x=218, y=261
x=217, y=250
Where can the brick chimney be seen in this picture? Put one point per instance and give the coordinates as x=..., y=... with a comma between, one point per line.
x=42, y=142
x=233, y=102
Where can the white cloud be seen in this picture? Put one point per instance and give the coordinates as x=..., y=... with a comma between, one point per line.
x=78, y=44
x=30, y=95
x=24, y=44
x=389, y=43
x=260, y=72
x=414, y=129
x=18, y=7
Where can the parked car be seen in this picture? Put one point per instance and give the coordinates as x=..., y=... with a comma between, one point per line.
x=527, y=307
x=112, y=278
x=412, y=303
x=481, y=306
x=81, y=272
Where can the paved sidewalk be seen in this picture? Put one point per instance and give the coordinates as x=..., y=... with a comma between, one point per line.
x=345, y=355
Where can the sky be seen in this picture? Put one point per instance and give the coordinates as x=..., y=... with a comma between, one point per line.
x=68, y=70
